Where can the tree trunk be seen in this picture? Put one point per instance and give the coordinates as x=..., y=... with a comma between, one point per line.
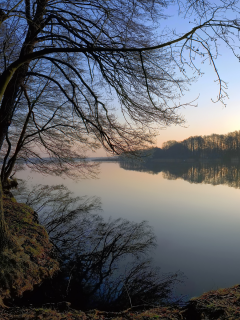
x=4, y=234
x=10, y=88
x=8, y=93
x=7, y=169
x=9, y=98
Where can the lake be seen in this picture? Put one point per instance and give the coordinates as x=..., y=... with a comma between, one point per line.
x=194, y=210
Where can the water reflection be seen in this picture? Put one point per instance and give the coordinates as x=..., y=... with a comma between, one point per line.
x=214, y=173
x=196, y=225
x=105, y=264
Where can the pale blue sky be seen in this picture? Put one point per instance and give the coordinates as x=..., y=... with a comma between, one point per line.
x=208, y=117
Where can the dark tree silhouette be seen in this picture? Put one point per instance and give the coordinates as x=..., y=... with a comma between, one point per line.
x=50, y=141
x=106, y=50
x=214, y=146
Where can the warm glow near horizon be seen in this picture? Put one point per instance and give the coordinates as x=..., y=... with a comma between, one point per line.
x=208, y=117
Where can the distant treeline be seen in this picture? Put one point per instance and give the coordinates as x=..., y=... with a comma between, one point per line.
x=214, y=146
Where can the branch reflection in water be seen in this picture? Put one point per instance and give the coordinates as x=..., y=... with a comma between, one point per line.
x=104, y=264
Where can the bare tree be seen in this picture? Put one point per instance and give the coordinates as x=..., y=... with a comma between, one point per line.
x=109, y=50
x=45, y=136
x=117, y=51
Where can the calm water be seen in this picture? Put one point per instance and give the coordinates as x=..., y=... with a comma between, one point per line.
x=194, y=210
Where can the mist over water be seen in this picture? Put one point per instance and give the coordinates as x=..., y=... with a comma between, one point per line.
x=193, y=209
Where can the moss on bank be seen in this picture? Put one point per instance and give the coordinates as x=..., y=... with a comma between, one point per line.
x=220, y=304
x=30, y=262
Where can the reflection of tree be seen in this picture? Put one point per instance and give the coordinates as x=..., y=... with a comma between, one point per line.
x=154, y=167
x=135, y=166
x=214, y=173
x=104, y=264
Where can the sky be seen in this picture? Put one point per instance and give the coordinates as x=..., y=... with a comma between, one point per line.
x=208, y=117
